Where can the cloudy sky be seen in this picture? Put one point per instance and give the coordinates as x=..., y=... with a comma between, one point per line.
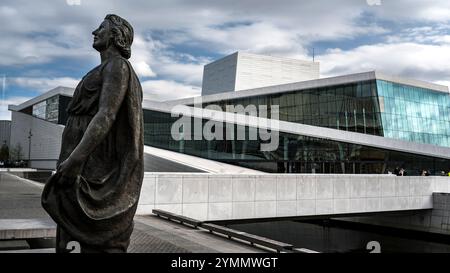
x=47, y=43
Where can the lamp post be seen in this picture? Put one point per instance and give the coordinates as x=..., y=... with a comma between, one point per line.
x=29, y=147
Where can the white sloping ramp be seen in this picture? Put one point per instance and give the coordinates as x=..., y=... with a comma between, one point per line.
x=187, y=163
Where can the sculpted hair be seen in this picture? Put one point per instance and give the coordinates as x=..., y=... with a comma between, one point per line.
x=123, y=34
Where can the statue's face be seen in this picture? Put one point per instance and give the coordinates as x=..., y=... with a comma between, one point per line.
x=102, y=36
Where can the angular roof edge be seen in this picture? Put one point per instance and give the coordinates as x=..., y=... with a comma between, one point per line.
x=364, y=76
x=371, y=75
x=423, y=84
x=60, y=90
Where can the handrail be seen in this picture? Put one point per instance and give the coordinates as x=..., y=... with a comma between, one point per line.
x=253, y=239
x=179, y=218
x=280, y=247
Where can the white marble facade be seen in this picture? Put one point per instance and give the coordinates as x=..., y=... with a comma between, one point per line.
x=218, y=197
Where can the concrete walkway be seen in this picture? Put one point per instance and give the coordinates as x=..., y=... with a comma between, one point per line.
x=20, y=199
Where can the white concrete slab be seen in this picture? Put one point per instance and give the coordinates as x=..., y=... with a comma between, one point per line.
x=222, y=197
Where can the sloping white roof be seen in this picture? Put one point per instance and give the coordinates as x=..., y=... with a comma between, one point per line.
x=206, y=165
x=60, y=90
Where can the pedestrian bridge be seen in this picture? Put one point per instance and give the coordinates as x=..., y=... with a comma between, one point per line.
x=206, y=196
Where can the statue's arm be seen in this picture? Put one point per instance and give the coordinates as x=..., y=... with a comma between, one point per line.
x=115, y=83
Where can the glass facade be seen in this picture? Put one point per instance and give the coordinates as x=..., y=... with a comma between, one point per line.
x=47, y=109
x=414, y=114
x=63, y=104
x=52, y=109
x=351, y=107
x=373, y=107
x=39, y=109
x=295, y=154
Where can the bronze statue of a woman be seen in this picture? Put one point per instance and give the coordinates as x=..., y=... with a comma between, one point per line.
x=94, y=193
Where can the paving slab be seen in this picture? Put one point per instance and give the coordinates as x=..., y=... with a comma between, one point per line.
x=20, y=204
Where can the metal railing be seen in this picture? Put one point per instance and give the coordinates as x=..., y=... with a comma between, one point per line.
x=279, y=247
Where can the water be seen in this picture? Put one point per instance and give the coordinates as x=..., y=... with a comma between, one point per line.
x=331, y=237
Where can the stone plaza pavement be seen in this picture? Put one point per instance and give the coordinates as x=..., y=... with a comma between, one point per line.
x=20, y=199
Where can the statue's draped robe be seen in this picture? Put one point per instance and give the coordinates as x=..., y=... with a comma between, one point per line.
x=97, y=207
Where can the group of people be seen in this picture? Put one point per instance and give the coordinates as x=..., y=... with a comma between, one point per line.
x=400, y=171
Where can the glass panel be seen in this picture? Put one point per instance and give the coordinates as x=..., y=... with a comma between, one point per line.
x=48, y=109
x=295, y=153
x=417, y=114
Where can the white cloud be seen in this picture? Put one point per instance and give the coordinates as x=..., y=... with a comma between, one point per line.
x=261, y=37
x=143, y=69
x=5, y=114
x=151, y=58
x=42, y=84
x=274, y=28
x=162, y=90
x=426, y=34
x=189, y=73
x=142, y=55
x=419, y=61
x=413, y=10
x=445, y=83
x=39, y=32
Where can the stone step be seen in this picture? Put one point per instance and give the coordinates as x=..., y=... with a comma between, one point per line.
x=11, y=229
x=40, y=250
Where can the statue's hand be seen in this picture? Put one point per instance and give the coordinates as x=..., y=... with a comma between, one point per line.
x=70, y=167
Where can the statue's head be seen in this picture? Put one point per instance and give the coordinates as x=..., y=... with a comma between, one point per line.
x=114, y=31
